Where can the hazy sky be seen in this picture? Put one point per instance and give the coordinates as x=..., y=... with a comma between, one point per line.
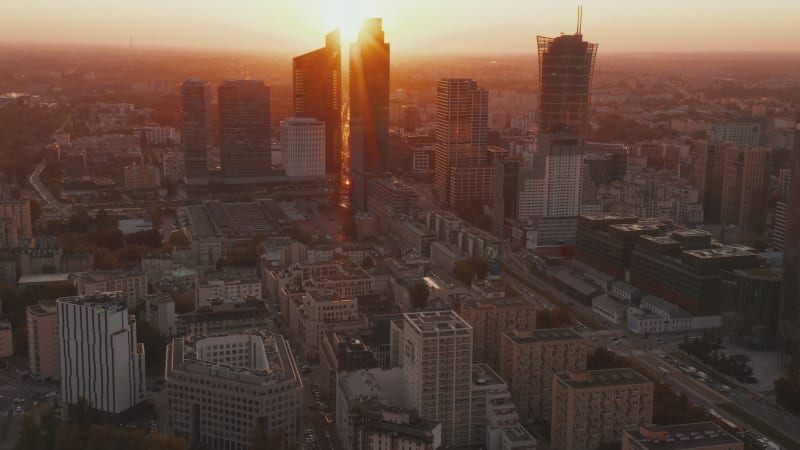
x=463, y=26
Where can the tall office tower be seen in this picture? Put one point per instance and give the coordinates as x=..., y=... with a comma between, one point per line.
x=244, y=131
x=745, y=187
x=317, y=93
x=100, y=359
x=197, y=137
x=19, y=211
x=462, y=110
x=528, y=361
x=781, y=221
x=742, y=135
x=505, y=192
x=303, y=147
x=709, y=170
x=789, y=324
x=225, y=388
x=566, y=66
x=437, y=371
x=597, y=406
x=369, y=109
x=43, y=340
x=563, y=181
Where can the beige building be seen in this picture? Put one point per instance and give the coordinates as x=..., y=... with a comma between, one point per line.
x=6, y=339
x=133, y=285
x=43, y=340
x=226, y=286
x=490, y=318
x=528, y=361
x=222, y=387
x=20, y=212
x=691, y=436
x=141, y=177
x=317, y=311
x=597, y=406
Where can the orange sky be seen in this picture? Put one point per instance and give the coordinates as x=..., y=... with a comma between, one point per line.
x=425, y=26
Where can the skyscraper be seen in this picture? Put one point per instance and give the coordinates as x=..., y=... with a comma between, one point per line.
x=303, y=147
x=566, y=66
x=244, y=126
x=745, y=187
x=197, y=130
x=462, y=110
x=317, y=93
x=789, y=323
x=369, y=108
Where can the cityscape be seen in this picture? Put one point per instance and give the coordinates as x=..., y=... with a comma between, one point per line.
x=351, y=247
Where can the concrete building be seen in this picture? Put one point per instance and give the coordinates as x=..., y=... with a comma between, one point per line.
x=159, y=312
x=341, y=352
x=597, y=406
x=361, y=391
x=303, y=147
x=226, y=286
x=132, y=284
x=690, y=436
x=141, y=177
x=789, y=325
x=316, y=311
x=528, y=360
x=155, y=135
x=461, y=126
x=43, y=342
x=490, y=318
x=173, y=166
x=40, y=255
x=750, y=306
x=606, y=241
x=245, y=131
x=742, y=135
x=99, y=358
x=197, y=130
x=223, y=387
x=20, y=212
x=225, y=317
x=9, y=233
x=745, y=187
x=391, y=196
x=609, y=308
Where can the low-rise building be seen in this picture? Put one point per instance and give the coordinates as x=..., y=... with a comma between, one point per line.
x=597, y=406
x=528, y=360
x=609, y=308
x=341, y=352
x=141, y=177
x=132, y=284
x=226, y=286
x=225, y=317
x=690, y=436
x=43, y=341
x=223, y=388
x=317, y=311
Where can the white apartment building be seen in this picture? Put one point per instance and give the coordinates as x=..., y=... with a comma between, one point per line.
x=43, y=340
x=222, y=387
x=133, y=284
x=303, y=147
x=100, y=360
x=226, y=287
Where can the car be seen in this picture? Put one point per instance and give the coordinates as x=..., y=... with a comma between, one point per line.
x=50, y=395
x=19, y=400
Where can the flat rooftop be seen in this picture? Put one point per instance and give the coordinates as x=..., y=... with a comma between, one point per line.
x=436, y=321
x=725, y=251
x=483, y=375
x=99, y=300
x=543, y=335
x=603, y=378
x=682, y=437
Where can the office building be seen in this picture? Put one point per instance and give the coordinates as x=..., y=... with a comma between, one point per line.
x=341, y=352
x=173, y=166
x=227, y=286
x=437, y=363
x=18, y=211
x=528, y=361
x=132, y=284
x=159, y=312
x=6, y=339
x=566, y=67
x=689, y=436
x=597, y=406
x=244, y=131
x=781, y=220
x=708, y=161
x=223, y=388
x=369, y=109
x=303, y=147
x=156, y=135
x=505, y=192
x=745, y=187
x=141, y=177
x=742, y=135
x=317, y=311
x=462, y=110
x=750, y=306
x=43, y=343
x=317, y=93
x=390, y=197
x=99, y=358
x=225, y=317
x=197, y=139
x=490, y=318
x=789, y=326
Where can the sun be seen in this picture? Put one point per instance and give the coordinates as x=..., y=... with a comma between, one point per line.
x=347, y=15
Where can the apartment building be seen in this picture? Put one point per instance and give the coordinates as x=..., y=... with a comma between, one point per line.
x=132, y=284
x=42, y=319
x=690, y=436
x=489, y=318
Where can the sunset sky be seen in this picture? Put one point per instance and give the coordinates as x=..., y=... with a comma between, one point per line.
x=423, y=26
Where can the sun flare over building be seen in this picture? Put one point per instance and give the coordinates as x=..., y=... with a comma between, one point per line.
x=347, y=15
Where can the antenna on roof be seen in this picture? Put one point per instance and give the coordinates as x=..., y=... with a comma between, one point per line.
x=580, y=18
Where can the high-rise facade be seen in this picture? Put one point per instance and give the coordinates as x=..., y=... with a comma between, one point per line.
x=489, y=318
x=244, y=131
x=566, y=66
x=789, y=323
x=19, y=212
x=197, y=138
x=369, y=109
x=437, y=371
x=100, y=360
x=745, y=185
x=462, y=110
x=42, y=322
x=742, y=135
x=303, y=147
x=317, y=93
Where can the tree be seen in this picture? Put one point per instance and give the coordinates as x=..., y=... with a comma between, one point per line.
x=38, y=430
x=419, y=295
x=464, y=271
x=148, y=238
x=553, y=318
x=787, y=391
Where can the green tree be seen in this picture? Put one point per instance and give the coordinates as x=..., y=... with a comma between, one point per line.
x=419, y=295
x=38, y=430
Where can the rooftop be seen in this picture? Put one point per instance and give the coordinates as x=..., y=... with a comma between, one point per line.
x=96, y=276
x=436, y=321
x=99, y=300
x=543, y=335
x=483, y=375
x=44, y=278
x=725, y=251
x=682, y=437
x=383, y=385
x=602, y=378
x=517, y=433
